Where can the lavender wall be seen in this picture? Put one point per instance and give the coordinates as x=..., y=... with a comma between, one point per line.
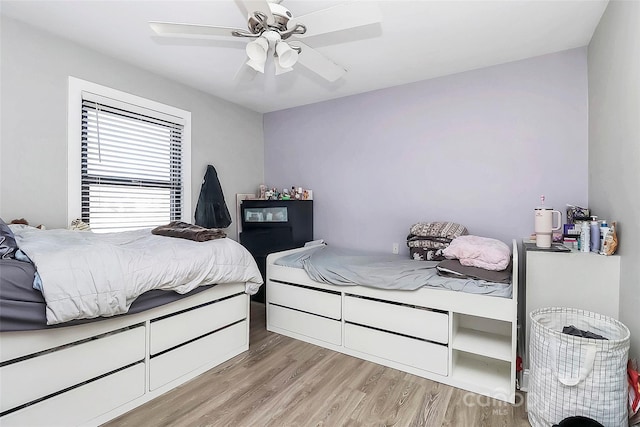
x=476, y=148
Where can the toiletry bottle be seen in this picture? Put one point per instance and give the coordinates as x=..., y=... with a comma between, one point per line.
x=604, y=229
x=585, y=238
x=595, y=234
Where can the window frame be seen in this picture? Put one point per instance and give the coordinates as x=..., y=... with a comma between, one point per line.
x=74, y=141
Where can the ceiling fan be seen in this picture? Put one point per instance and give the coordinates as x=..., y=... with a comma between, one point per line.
x=274, y=30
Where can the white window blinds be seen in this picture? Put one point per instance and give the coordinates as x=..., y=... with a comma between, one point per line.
x=131, y=165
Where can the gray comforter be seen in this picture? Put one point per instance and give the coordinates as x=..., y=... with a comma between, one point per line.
x=338, y=266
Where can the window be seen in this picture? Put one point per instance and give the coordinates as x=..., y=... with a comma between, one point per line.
x=132, y=169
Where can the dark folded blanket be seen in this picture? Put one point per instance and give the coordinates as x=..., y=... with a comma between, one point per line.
x=453, y=268
x=426, y=254
x=188, y=231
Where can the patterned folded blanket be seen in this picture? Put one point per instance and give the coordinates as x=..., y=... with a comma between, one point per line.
x=427, y=240
x=188, y=231
x=442, y=230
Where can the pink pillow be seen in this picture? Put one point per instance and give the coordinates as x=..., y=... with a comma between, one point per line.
x=482, y=252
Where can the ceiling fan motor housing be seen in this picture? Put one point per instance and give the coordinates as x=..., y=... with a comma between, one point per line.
x=281, y=16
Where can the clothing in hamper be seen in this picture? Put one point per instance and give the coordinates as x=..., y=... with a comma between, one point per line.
x=572, y=330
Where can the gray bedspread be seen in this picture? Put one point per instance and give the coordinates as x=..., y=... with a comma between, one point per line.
x=337, y=266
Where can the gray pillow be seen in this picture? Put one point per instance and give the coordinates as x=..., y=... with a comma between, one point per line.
x=8, y=245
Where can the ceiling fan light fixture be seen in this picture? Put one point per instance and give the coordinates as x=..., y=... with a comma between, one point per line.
x=256, y=65
x=287, y=57
x=257, y=53
x=257, y=50
x=280, y=69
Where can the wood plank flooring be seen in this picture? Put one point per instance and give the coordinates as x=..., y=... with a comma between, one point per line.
x=284, y=382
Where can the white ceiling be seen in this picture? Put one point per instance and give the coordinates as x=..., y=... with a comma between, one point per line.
x=416, y=40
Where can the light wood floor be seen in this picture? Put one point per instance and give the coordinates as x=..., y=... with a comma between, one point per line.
x=284, y=382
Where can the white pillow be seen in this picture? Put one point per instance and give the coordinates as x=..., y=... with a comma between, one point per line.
x=476, y=251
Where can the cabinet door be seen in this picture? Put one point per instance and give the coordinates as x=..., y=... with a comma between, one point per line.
x=263, y=241
x=297, y=215
x=266, y=214
x=586, y=281
x=578, y=280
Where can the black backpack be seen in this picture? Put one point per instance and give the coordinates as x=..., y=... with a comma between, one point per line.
x=211, y=210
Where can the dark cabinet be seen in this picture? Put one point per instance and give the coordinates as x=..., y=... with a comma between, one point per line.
x=274, y=225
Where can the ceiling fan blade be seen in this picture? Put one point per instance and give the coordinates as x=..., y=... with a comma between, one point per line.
x=242, y=7
x=249, y=7
x=171, y=29
x=318, y=63
x=337, y=18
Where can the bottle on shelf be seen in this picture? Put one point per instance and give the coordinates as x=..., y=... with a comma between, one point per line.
x=595, y=234
x=604, y=228
x=585, y=238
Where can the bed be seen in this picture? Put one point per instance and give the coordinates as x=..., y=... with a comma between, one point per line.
x=89, y=370
x=466, y=340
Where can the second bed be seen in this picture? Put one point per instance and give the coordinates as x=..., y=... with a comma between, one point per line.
x=445, y=333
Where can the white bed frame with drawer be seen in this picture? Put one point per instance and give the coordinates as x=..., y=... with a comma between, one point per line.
x=460, y=339
x=91, y=373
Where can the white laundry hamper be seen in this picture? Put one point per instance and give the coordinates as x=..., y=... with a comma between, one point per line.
x=572, y=375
